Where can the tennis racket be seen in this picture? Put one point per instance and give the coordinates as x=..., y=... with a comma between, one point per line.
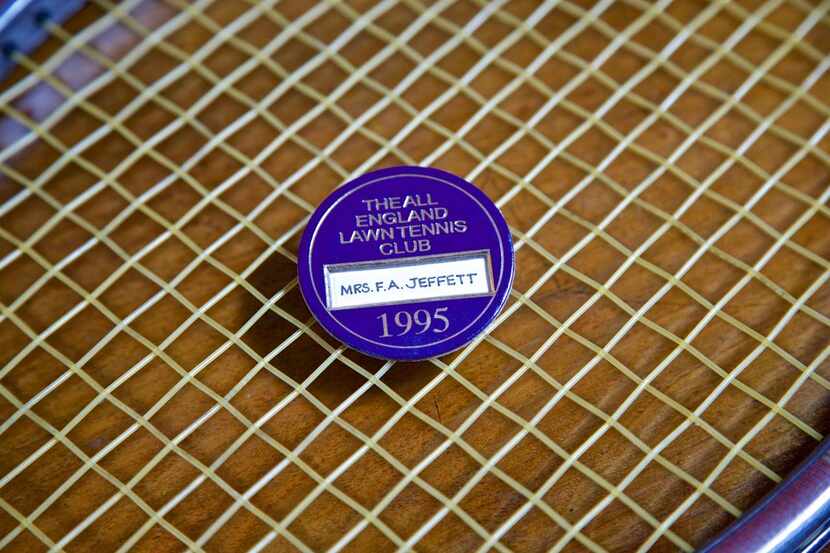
x=658, y=381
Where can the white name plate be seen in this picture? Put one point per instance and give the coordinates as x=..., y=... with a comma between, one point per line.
x=407, y=280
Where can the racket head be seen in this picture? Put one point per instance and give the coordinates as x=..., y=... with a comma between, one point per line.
x=165, y=386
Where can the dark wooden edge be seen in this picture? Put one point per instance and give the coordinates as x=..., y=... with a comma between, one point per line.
x=793, y=518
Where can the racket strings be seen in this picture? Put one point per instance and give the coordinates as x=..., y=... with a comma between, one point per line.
x=524, y=300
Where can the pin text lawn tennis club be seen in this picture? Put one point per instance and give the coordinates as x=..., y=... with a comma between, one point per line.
x=406, y=263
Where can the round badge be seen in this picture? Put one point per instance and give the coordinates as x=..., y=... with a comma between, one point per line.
x=406, y=263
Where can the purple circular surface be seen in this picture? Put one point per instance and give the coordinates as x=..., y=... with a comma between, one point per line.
x=406, y=263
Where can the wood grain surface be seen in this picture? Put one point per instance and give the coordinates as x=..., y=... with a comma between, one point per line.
x=46, y=341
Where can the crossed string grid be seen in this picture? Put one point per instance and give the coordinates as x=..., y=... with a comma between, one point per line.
x=302, y=328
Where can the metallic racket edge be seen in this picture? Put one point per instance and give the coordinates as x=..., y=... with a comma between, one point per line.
x=793, y=518
x=21, y=25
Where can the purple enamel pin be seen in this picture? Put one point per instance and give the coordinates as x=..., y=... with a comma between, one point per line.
x=406, y=263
